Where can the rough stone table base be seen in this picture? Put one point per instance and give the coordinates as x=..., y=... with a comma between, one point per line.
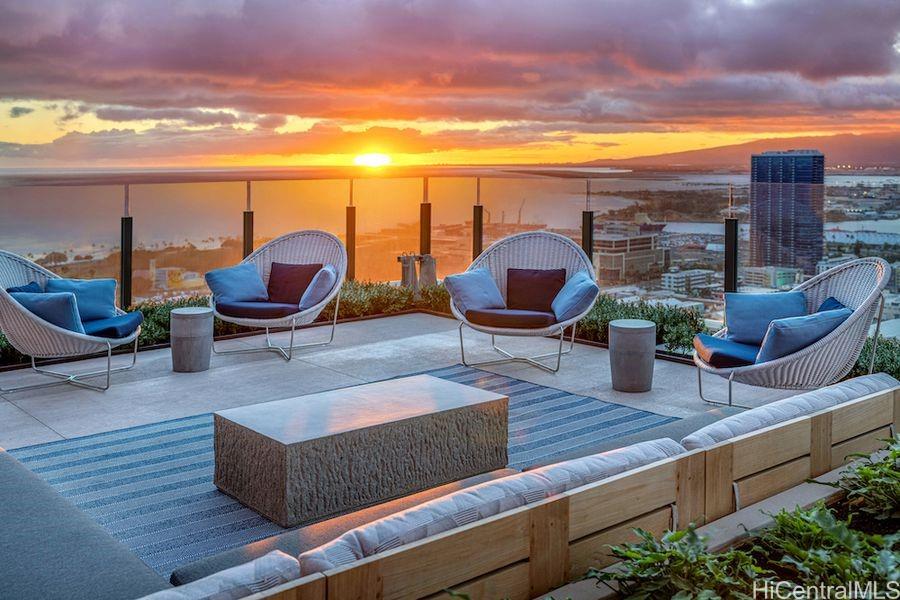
x=304, y=459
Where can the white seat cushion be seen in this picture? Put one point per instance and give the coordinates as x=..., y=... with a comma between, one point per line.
x=479, y=502
x=787, y=409
x=247, y=579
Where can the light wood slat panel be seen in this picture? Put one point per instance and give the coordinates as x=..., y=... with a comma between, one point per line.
x=896, y=411
x=436, y=563
x=549, y=545
x=311, y=587
x=771, y=447
x=777, y=479
x=719, y=494
x=690, y=495
x=867, y=443
x=625, y=496
x=820, y=443
x=593, y=551
x=855, y=418
x=509, y=583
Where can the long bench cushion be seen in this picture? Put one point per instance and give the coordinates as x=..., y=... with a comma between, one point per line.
x=116, y=327
x=506, y=318
x=50, y=549
x=787, y=409
x=479, y=502
x=723, y=353
x=300, y=540
x=257, y=310
x=241, y=581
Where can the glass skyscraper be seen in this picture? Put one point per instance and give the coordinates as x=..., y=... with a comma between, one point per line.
x=787, y=198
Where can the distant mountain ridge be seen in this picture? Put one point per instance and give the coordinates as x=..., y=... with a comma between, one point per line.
x=865, y=150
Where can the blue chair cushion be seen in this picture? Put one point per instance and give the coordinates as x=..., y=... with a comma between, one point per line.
x=241, y=283
x=320, y=286
x=117, y=327
x=59, y=308
x=533, y=289
x=96, y=297
x=575, y=297
x=257, y=310
x=288, y=283
x=474, y=290
x=830, y=303
x=747, y=316
x=30, y=288
x=786, y=336
x=511, y=318
x=724, y=353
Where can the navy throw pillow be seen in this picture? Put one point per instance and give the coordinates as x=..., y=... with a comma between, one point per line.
x=831, y=303
x=533, y=289
x=288, y=282
x=96, y=297
x=241, y=283
x=30, y=288
x=747, y=316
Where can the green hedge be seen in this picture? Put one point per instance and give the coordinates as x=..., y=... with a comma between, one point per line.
x=675, y=327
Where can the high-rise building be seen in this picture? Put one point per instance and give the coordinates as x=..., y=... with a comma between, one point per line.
x=787, y=197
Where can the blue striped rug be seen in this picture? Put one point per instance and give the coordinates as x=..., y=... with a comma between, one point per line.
x=151, y=486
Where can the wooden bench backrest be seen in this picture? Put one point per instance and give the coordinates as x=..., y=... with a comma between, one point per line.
x=529, y=551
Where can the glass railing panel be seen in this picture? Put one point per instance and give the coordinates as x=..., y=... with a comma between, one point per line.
x=280, y=207
x=514, y=205
x=74, y=231
x=387, y=219
x=181, y=231
x=452, y=199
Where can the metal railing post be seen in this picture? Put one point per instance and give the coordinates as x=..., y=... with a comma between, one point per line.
x=587, y=224
x=731, y=254
x=126, y=246
x=477, y=222
x=425, y=220
x=248, y=225
x=351, y=236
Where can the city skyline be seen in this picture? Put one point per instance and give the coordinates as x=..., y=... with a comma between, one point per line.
x=251, y=83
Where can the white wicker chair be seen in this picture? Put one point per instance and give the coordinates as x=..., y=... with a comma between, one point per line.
x=859, y=285
x=301, y=247
x=529, y=250
x=37, y=338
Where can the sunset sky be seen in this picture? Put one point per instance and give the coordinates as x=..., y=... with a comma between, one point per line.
x=251, y=83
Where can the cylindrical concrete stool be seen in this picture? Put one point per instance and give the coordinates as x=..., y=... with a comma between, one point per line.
x=191, y=331
x=632, y=347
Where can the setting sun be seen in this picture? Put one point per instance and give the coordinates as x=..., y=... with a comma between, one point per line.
x=372, y=160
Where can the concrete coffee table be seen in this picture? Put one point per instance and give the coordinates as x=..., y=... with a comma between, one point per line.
x=303, y=459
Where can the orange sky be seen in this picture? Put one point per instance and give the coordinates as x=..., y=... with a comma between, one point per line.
x=275, y=82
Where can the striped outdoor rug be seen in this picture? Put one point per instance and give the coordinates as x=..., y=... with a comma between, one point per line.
x=151, y=486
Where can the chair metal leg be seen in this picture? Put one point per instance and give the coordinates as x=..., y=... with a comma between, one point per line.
x=77, y=379
x=717, y=402
x=534, y=361
x=286, y=352
x=877, y=332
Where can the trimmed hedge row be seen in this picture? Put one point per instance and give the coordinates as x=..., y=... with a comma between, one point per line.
x=675, y=327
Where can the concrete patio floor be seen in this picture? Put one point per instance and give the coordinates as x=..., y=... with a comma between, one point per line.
x=363, y=351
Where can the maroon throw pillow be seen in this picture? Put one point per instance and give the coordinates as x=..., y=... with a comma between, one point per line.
x=288, y=282
x=533, y=289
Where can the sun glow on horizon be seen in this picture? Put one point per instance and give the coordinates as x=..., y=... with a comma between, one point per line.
x=372, y=160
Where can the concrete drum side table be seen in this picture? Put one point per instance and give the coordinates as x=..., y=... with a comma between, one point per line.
x=632, y=347
x=191, y=332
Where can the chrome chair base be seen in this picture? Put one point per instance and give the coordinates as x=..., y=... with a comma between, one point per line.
x=285, y=352
x=717, y=402
x=534, y=361
x=77, y=379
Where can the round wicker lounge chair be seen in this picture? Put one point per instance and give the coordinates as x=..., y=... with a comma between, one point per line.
x=301, y=247
x=529, y=250
x=859, y=285
x=36, y=338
